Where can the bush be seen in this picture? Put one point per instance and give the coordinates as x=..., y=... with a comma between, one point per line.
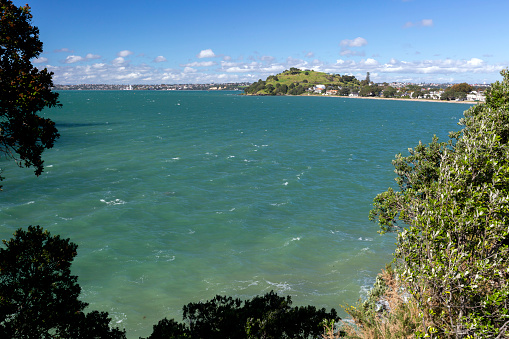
x=454, y=197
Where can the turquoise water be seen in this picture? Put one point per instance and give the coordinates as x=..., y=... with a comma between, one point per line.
x=175, y=197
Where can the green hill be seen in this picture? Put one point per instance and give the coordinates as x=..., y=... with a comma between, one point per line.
x=295, y=82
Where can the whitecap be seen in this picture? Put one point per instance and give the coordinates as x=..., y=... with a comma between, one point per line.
x=63, y=218
x=293, y=239
x=280, y=286
x=113, y=202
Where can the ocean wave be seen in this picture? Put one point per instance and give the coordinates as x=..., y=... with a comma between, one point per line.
x=113, y=202
x=280, y=287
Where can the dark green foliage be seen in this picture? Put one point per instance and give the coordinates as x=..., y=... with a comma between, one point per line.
x=455, y=200
x=92, y=325
x=389, y=92
x=294, y=70
x=38, y=294
x=24, y=90
x=169, y=329
x=255, y=87
x=457, y=91
x=270, y=316
x=370, y=91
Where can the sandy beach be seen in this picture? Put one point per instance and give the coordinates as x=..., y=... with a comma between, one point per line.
x=404, y=99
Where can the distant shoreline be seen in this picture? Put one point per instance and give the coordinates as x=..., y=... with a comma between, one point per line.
x=373, y=98
x=421, y=100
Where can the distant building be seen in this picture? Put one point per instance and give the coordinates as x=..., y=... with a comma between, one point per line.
x=476, y=96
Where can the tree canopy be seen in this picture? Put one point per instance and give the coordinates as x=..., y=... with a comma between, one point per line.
x=268, y=316
x=24, y=90
x=454, y=199
x=38, y=294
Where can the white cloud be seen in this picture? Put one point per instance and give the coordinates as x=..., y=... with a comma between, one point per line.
x=427, y=22
x=206, y=53
x=91, y=56
x=267, y=58
x=63, y=50
x=422, y=23
x=310, y=55
x=357, y=42
x=118, y=61
x=160, y=58
x=40, y=60
x=124, y=53
x=475, y=62
x=71, y=59
x=349, y=52
x=369, y=62
x=200, y=64
x=189, y=70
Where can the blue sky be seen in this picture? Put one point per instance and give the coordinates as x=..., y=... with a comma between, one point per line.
x=166, y=41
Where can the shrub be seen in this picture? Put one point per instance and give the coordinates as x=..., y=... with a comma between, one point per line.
x=454, y=197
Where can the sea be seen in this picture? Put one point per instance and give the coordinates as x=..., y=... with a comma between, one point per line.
x=178, y=196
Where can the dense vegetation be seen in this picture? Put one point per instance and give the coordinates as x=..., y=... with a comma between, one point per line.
x=453, y=257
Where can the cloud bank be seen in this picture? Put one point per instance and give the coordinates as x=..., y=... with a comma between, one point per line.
x=122, y=69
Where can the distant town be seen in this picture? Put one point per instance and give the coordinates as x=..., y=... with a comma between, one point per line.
x=233, y=86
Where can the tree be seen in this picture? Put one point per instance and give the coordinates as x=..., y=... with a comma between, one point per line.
x=457, y=91
x=268, y=316
x=24, y=90
x=454, y=199
x=389, y=92
x=463, y=87
x=38, y=294
x=366, y=81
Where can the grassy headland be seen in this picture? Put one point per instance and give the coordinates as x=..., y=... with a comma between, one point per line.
x=297, y=82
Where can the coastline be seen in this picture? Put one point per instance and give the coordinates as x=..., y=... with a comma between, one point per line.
x=374, y=98
x=421, y=100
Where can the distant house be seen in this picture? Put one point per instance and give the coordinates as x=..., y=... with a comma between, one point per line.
x=332, y=92
x=435, y=94
x=318, y=88
x=353, y=95
x=476, y=96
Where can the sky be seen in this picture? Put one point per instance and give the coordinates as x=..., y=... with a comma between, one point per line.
x=177, y=42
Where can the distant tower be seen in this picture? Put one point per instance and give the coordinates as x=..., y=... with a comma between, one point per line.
x=368, y=81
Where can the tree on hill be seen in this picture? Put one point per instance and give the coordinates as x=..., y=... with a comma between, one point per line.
x=454, y=200
x=38, y=294
x=24, y=90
